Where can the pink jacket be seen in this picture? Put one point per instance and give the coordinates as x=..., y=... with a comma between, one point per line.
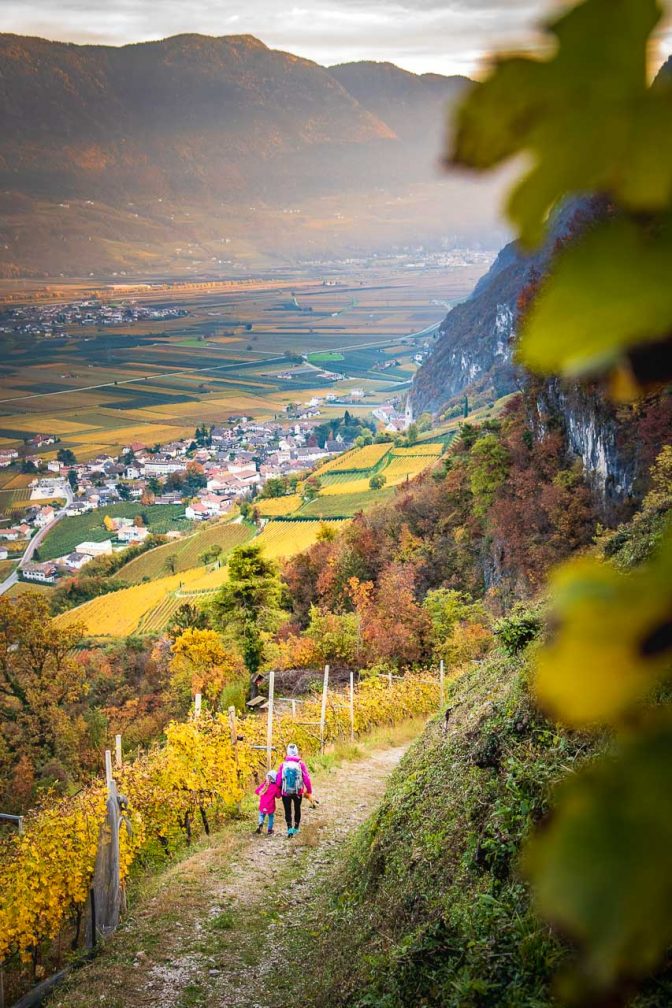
x=308, y=787
x=268, y=792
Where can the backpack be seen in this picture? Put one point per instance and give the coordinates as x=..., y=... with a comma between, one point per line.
x=292, y=778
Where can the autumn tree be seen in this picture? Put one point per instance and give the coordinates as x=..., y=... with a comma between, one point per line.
x=41, y=688
x=203, y=663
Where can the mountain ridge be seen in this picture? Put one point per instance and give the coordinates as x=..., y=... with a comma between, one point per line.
x=211, y=126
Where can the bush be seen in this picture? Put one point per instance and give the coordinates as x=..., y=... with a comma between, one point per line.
x=515, y=631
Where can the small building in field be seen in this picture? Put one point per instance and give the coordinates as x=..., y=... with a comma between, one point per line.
x=95, y=549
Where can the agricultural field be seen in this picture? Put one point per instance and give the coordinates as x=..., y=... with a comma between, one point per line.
x=15, y=500
x=428, y=449
x=359, y=460
x=284, y=538
x=183, y=554
x=345, y=505
x=65, y=536
x=6, y=568
x=120, y=613
x=278, y=507
x=104, y=386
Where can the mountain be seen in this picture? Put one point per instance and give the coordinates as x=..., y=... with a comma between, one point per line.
x=473, y=355
x=413, y=105
x=111, y=156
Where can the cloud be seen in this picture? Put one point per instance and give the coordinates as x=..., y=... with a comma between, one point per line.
x=440, y=35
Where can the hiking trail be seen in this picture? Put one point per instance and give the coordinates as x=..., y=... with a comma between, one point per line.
x=207, y=929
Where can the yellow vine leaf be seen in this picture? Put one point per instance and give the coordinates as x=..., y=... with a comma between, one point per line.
x=610, y=646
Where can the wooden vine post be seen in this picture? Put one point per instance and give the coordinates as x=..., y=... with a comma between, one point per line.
x=323, y=710
x=269, y=721
x=442, y=684
x=197, y=705
x=233, y=728
x=352, y=706
x=118, y=758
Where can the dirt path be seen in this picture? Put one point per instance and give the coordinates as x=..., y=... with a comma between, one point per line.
x=206, y=932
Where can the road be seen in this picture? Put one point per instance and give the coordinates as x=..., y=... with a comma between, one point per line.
x=35, y=542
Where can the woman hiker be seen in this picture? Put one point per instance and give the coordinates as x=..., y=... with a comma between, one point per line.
x=294, y=781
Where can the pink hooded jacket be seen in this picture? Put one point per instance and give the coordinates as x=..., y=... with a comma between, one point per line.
x=268, y=791
x=307, y=785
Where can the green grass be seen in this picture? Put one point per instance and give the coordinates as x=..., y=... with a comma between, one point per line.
x=159, y=518
x=426, y=905
x=324, y=356
x=345, y=505
x=185, y=553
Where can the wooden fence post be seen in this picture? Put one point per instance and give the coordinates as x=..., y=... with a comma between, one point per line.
x=389, y=679
x=233, y=728
x=442, y=684
x=269, y=721
x=293, y=710
x=109, y=779
x=118, y=759
x=323, y=711
x=197, y=705
x=352, y=706
x=106, y=892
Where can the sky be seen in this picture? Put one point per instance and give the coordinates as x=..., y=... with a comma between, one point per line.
x=441, y=36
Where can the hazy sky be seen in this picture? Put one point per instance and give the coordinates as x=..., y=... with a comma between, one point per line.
x=446, y=36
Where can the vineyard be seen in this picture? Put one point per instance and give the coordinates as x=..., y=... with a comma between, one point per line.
x=198, y=775
x=358, y=460
x=345, y=505
x=184, y=554
x=120, y=613
x=274, y=507
x=284, y=538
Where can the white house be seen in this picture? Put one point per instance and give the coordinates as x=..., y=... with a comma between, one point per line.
x=45, y=573
x=163, y=466
x=3, y=553
x=132, y=533
x=44, y=516
x=196, y=511
x=75, y=561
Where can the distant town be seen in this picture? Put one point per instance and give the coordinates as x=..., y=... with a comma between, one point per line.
x=61, y=320
x=219, y=467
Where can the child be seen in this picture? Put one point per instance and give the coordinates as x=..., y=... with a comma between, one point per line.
x=268, y=791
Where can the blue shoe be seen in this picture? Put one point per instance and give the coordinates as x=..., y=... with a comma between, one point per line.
x=291, y=831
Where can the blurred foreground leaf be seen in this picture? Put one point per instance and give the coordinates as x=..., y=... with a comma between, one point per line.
x=607, y=292
x=613, y=639
x=585, y=116
x=603, y=866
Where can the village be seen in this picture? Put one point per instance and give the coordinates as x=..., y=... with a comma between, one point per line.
x=208, y=474
x=59, y=320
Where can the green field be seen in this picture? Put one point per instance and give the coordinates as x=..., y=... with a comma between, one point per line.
x=65, y=536
x=345, y=505
x=185, y=553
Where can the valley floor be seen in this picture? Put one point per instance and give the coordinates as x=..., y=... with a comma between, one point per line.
x=212, y=929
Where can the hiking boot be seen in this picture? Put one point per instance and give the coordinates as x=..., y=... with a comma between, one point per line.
x=291, y=831
x=270, y=832
x=258, y=829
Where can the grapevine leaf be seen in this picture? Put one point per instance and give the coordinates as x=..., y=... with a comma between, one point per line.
x=610, y=645
x=603, y=869
x=607, y=291
x=585, y=116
